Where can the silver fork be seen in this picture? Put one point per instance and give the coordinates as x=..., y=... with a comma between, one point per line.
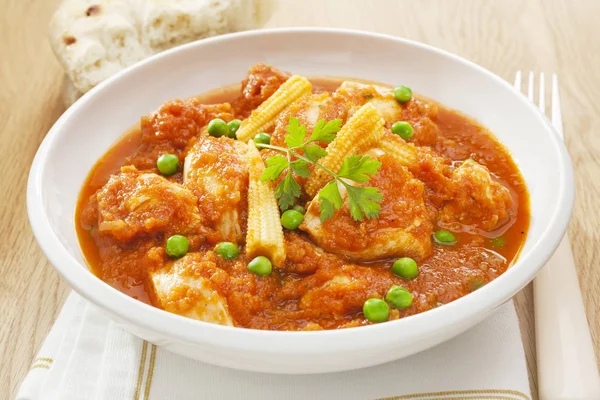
x=566, y=364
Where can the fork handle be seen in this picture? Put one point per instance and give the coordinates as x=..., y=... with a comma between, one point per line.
x=567, y=367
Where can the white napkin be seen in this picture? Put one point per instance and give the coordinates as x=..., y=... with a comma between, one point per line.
x=87, y=356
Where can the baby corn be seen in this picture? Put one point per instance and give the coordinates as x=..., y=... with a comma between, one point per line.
x=264, y=116
x=404, y=153
x=365, y=128
x=265, y=234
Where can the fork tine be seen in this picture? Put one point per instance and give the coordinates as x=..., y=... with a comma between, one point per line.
x=555, y=100
x=518, y=81
x=530, y=87
x=556, y=113
x=542, y=99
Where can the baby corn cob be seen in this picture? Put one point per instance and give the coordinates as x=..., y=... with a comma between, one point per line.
x=265, y=234
x=264, y=116
x=404, y=153
x=363, y=129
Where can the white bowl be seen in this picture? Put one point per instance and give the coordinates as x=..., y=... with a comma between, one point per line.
x=87, y=129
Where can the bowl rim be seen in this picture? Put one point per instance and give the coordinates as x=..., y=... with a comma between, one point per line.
x=192, y=331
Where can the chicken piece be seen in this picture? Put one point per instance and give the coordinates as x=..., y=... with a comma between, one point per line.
x=262, y=81
x=477, y=199
x=467, y=195
x=134, y=203
x=436, y=173
x=406, y=154
x=338, y=296
x=178, y=121
x=403, y=227
x=216, y=171
x=169, y=129
x=358, y=94
x=302, y=256
x=337, y=291
x=179, y=288
x=308, y=110
x=420, y=114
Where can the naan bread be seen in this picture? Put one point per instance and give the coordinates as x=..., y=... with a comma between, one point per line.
x=167, y=23
x=94, y=39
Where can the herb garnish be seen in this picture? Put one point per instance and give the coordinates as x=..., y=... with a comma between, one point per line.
x=363, y=201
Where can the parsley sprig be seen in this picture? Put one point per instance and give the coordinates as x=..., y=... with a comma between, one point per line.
x=363, y=201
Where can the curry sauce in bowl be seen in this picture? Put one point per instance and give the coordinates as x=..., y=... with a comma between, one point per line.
x=452, y=216
x=300, y=223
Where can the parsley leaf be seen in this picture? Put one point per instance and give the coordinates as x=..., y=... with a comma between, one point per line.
x=331, y=200
x=363, y=200
x=325, y=131
x=300, y=167
x=313, y=152
x=275, y=166
x=357, y=168
x=296, y=133
x=287, y=191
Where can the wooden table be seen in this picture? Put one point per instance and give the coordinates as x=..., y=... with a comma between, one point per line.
x=559, y=36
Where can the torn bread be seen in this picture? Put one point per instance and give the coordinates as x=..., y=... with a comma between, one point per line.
x=94, y=39
x=167, y=23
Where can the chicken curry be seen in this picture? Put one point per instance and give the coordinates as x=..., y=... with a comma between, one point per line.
x=297, y=204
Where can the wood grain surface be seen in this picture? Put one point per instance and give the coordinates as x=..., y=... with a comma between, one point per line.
x=559, y=36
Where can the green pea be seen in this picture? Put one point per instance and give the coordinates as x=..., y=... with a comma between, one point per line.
x=475, y=283
x=291, y=219
x=227, y=250
x=406, y=268
x=403, y=129
x=399, y=297
x=376, y=310
x=233, y=127
x=402, y=94
x=262, y=138
x=217, y=128
x=299, y=208
x=444, y=237
x=167, y=164
x=260, y=266
x=498, y=242
x=177, y=246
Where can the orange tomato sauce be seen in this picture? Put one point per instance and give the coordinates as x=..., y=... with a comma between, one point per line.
x=297, y=297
